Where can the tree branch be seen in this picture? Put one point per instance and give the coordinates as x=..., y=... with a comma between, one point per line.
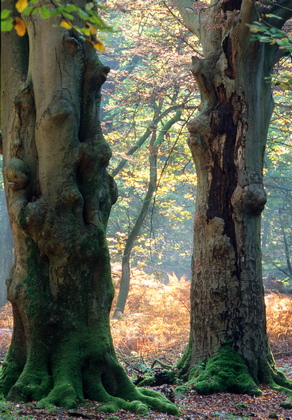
x=190, y=17
x=144, y=137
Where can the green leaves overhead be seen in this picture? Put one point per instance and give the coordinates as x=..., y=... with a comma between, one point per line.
x=6, y=20
x=271, y=35
x=264, y=32
x=68, y=13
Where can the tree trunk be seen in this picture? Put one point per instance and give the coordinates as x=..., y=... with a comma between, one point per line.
x=155, y=143
x=126, y=272
x=227, y=141
x=288, y=272
x=59, y=197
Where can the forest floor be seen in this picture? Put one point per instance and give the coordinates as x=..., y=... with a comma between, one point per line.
x=143, y=340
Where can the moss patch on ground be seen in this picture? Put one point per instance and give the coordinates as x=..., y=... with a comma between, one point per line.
x=287, y=404
x=159, y=378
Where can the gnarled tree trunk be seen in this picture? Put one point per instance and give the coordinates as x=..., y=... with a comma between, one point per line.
x=227, y=141
x=59, y=197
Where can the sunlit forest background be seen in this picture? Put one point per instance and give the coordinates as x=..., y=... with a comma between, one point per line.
x=148, y=99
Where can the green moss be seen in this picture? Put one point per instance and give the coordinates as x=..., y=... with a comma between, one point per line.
x=181, y=390
x=37, y=297
x=287, y=404
x=165, y=376
x=280, y=383
x=184, y=363
x=171, y=375
x=147, y=381
x=275, y=378
x=62, y=395
x=136, y=407
x=34, y=381
x=225, y=372
x=157, y=402
x=23, y=216
x=10, y=372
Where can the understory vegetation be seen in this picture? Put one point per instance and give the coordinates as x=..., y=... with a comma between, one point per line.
x=156, y=319
x=151, y=336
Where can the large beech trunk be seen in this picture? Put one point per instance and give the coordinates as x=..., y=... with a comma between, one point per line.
x=59, y=197
x=227, y=141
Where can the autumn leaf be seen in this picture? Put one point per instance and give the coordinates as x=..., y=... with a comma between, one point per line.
x=92, y=29
x=19, y=26
x=97, y=44
x=66, y=24
x=21, y=5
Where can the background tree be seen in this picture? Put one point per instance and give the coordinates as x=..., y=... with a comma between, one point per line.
x=59, y=196
x=227, y=141
x=155, y=142
x=6, y=244
x=149, y=95
x=276, y=231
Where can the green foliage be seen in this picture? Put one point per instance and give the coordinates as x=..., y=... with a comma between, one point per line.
x=271, y=35
x=6, y=20
x=9, y=412
x=149, y=85
x=263, y=32
x=69, y=13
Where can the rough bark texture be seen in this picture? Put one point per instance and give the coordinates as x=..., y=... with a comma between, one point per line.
x=227, y=141
x=59, y=197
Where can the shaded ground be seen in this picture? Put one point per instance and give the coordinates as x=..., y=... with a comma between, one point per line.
x=192, y=405
x=141, y=338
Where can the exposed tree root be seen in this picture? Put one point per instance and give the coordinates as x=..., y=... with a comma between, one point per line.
x=279, y=382
x=68, y=387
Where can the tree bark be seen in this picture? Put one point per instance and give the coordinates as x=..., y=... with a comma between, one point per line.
x=227, y=141
x=59, y=197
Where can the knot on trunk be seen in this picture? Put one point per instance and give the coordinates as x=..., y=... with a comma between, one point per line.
x=17, y=173
x=250, y=199
x=255, y=198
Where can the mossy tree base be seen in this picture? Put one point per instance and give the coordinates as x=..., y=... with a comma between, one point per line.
x=227, y=372
x=67, y=377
